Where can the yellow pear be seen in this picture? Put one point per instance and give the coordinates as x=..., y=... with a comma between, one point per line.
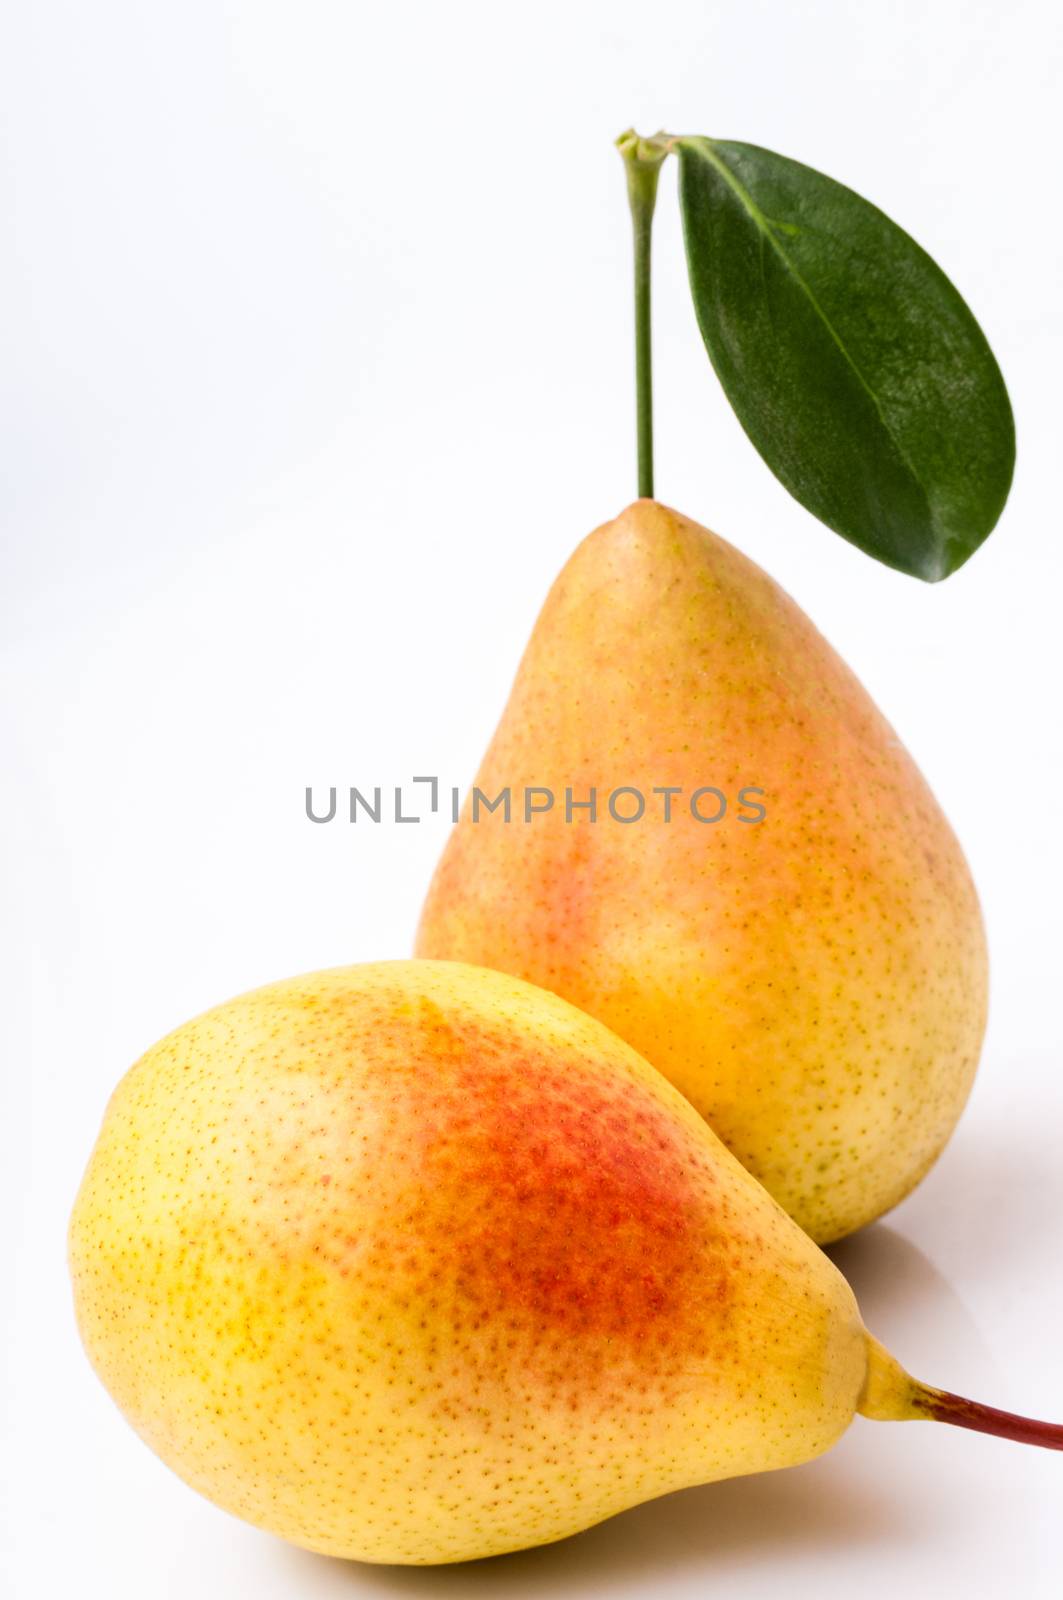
x=810, y=967
x=414, y=1262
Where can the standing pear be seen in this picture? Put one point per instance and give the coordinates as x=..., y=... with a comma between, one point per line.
x=789, y=930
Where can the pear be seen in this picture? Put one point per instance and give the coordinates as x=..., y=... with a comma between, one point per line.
x=809, y=968
x=414, y=1262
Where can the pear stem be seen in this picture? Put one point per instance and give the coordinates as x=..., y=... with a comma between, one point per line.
x=642, y=162
x=941, y=1406
x=891, y=1395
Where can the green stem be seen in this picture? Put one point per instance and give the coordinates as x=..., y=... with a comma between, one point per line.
x=642, y=161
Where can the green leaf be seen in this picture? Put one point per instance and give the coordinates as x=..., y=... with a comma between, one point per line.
x=853, y=364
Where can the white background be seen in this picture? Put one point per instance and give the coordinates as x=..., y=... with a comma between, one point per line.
x=317, y=365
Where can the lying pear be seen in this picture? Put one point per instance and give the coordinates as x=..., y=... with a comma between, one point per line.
x=813, y=981
x=414, y=1262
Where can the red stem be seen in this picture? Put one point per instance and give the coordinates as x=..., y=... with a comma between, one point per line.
x=942, y=1406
